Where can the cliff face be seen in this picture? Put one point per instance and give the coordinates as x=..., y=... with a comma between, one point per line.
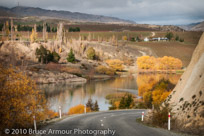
x=187, y=98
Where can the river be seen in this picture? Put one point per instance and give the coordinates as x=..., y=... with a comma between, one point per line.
x=69, y=95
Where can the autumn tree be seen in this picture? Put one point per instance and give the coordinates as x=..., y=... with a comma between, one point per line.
x=33, y=36
x=20, y=100
x=115, y=64
x=91, y=54
x=164, y=63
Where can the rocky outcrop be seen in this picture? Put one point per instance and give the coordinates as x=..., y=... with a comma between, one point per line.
x=53, y=77
x=187, y=98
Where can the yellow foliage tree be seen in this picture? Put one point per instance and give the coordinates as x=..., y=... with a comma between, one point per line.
x=33, y=36
x=159, y=96
x=164, y=63
x=20, y=100
x=115, y=64
x=124, y=38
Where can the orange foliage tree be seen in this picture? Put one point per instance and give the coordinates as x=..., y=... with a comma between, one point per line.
x=20, y=100
x=164, y=63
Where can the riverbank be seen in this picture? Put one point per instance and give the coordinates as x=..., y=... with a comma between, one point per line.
x=140, y=71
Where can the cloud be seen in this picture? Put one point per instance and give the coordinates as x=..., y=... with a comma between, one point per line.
x=141, y=11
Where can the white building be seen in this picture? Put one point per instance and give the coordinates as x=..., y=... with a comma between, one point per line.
x=146, y=39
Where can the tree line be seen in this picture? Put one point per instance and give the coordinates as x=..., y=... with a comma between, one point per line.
x=164, y=63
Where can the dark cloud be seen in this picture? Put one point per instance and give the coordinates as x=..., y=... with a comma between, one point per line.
x=141, y=11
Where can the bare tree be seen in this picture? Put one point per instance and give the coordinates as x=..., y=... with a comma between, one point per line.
x=12, y=29
x=60, y=32
x=44, y=31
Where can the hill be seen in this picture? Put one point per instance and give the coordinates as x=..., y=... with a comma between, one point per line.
x=65, y=15
x=198, y=27
x=193, y=27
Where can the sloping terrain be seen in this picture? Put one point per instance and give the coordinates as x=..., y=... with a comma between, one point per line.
x=198, y=27
x=193, y=27
x=67, y=15
x=187, y=97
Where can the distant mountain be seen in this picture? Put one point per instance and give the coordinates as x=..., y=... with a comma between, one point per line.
x=193, y=27
x=65, y=15
x=198, y=27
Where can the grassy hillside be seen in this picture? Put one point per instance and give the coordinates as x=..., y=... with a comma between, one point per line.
x=181, y=50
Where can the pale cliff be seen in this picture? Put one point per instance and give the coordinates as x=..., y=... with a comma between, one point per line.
x=187, y=98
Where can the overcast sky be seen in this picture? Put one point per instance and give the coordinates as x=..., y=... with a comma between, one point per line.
x=140, y=11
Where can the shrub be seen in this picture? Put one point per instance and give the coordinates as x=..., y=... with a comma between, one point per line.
x=79, y=109
x=181, y=40
x=177, y=38
x=91, y=54
x=115, y=64
x=132, y=39
x=104, y=70
x=160, y=116
x=71, y=57
x=126, y=102
x=124, y=38
x=51, y=114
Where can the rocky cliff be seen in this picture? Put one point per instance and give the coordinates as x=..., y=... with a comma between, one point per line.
x=187, y=98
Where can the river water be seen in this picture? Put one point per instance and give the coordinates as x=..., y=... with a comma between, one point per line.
x=70, y=95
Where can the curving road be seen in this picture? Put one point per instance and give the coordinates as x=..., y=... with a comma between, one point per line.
x=117, y=123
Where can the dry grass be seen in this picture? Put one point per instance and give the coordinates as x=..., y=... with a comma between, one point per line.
x=180, y=50
x=58, y=67
x=175, y=49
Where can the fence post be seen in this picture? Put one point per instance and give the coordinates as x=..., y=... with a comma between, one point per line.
x=169, y=117
x=142, y=116
x=34, y=121
x=60, y=112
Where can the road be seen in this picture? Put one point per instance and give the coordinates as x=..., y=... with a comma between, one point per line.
x=117, y=123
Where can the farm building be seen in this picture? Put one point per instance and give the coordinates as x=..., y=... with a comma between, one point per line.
x=146, y=39
x=159, y=39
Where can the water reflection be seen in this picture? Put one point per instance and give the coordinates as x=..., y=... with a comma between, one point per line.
x=155, y=88
x=71, y=95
